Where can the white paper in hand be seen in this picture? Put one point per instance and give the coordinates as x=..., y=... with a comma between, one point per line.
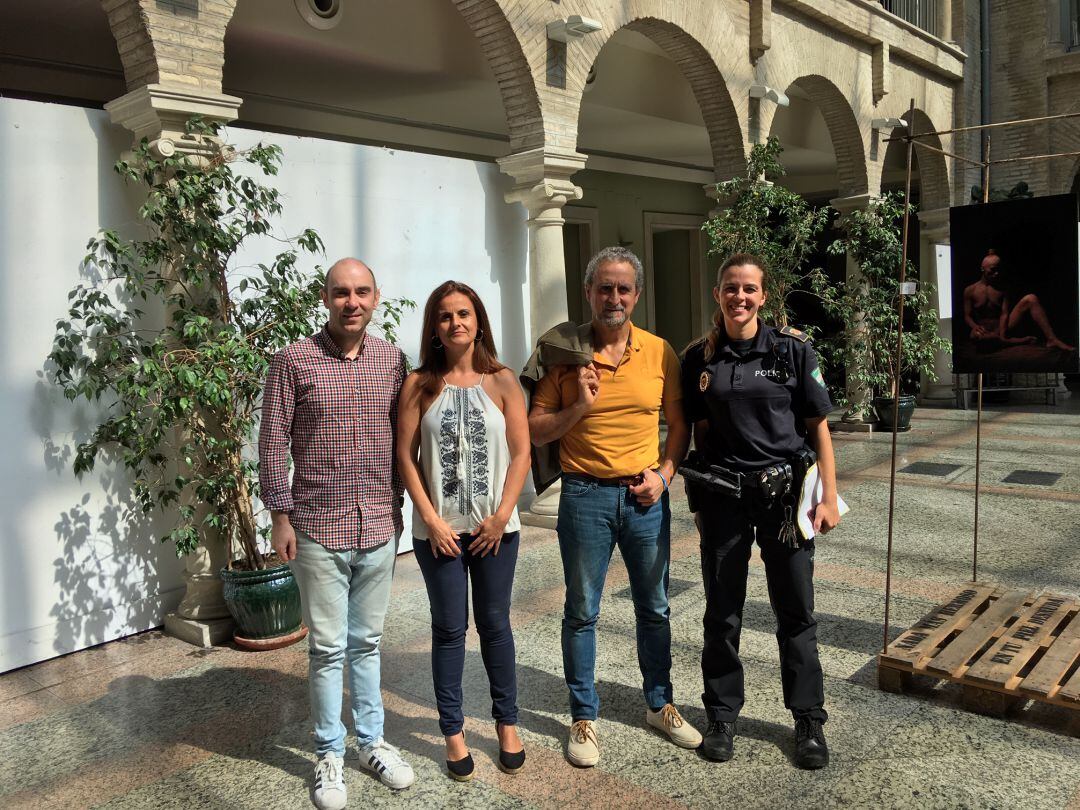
x=810, y=497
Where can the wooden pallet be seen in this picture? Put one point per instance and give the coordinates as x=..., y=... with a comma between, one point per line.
x=1004, y=646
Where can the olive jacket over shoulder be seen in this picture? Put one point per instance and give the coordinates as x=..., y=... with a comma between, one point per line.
x=568, y=344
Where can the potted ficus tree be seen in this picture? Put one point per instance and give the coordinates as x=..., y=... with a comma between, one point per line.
x=171, y=339
x=865, y=306
x=762, y=217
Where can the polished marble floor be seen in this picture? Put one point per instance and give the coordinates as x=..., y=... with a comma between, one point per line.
x=148, y=722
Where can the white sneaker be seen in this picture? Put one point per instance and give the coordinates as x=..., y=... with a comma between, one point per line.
x=385, y=761
x=330, y=783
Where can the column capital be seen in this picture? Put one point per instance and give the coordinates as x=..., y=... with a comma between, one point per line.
x=159, y=113
x=542, y=178
x=847, y=205
x=722, y=200
x=934, y=225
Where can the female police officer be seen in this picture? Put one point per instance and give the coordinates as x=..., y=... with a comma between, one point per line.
x=756, y=398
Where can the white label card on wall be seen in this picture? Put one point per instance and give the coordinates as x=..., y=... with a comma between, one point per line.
x=943, y=256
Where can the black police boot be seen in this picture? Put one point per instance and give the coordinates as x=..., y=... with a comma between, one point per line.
x=719, y=741
x=811, y=751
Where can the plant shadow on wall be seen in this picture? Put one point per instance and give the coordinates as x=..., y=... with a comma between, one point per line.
x=106, y=572
x=168, y=338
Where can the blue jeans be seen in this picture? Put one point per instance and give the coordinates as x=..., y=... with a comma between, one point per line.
x=344, y=596
x=593, y=519
x=447, y=581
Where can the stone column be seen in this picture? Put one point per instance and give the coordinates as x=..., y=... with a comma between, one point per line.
x=721, y=203
x=159, y=113
x=542, y=184
x=858, y=402
x=933, y=231
x=944, y=21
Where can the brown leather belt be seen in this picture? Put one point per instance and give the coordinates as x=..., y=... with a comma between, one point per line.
x=626, y=481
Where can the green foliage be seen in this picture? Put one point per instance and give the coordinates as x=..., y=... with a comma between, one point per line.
x=172, y=341
x=866, y=306
x=770, y=221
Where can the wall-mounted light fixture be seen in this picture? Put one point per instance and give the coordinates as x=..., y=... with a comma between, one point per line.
x=572, y=28
x=761, y=91
x=320, y=14
x=888, y=123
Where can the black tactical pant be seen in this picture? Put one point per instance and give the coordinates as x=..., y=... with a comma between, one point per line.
x=727, y=527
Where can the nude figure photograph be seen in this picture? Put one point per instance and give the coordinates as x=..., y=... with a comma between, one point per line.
x=1016, y=265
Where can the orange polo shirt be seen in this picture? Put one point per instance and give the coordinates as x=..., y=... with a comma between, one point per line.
x=620, y=435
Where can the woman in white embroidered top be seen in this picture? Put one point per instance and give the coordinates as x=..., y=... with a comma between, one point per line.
x=463, y=451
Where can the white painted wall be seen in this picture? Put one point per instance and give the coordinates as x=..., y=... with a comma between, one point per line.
x=417, y=220
x=76, y=570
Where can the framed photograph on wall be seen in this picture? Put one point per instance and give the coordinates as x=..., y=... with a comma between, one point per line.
x=1016, y=286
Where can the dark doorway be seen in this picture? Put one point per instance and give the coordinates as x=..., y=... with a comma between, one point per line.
x=673, y=286
x=580, y=242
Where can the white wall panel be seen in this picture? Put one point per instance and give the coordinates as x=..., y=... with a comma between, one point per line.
x=77, y=569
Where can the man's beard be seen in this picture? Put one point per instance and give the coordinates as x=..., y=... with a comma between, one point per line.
x=612, y=318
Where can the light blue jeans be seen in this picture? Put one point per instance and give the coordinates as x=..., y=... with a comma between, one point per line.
x=593, y=519
x=344, y=596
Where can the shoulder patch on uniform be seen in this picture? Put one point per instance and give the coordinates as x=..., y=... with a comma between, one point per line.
x=798, y=334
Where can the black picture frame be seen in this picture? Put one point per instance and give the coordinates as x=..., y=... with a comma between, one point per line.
x=1037, y=270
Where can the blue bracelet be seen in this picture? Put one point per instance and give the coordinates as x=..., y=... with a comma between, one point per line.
x=662, y=478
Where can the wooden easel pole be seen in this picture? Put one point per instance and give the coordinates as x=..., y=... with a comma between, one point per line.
x=896, y=377
x=978, y=413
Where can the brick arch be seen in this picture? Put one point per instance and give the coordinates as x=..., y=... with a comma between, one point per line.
x=844, y=130
x=177, y=45
x=934, y=181
x=506, y=57
x=705, y=79
x=184, y=47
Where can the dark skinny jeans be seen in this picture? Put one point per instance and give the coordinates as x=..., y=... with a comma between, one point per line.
x=447, y=581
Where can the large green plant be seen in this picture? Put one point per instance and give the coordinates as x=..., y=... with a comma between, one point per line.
x=865, y=306
x=173, y=340
x=762, y=217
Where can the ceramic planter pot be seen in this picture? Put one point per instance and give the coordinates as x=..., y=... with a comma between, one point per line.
x=265, y=605
x=887, y=407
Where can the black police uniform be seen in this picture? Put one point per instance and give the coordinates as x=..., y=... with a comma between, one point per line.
x=755, y=396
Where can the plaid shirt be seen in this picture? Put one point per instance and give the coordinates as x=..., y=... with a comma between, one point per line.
x=338, y=417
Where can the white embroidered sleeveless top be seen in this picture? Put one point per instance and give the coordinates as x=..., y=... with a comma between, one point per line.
x=464, y=457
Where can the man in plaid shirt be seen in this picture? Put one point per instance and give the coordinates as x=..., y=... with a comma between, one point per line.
x=331, y=403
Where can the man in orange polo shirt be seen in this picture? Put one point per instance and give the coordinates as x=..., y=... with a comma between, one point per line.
x=606, y=417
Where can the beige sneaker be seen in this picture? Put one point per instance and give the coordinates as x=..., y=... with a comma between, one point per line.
x=669, y=721
x=583, y=750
